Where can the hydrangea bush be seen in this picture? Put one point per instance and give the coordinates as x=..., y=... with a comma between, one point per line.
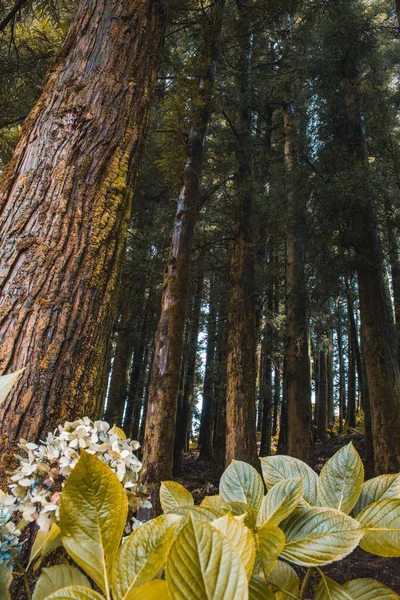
x=10, y=542
x=35, y=485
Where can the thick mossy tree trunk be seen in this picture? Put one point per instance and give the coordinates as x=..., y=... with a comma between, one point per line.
x=379, y=348
x=300, y=437
x=163, y=393
x=64, y=211
x=241, y=359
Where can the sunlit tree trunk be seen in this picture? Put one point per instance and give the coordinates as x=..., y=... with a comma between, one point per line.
x=163, y=394
x=64, y=206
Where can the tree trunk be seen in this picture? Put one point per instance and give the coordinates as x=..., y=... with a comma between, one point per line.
x=322, y=420
x=342, y=399
x=220, y=375
x=351, y=378
x=329, y=375
x=183, y=417
x=241, y=361
x=266, y=373
x=161, y=416
x=64, y=205
x=277, y=397
x=283, y=429
x=208, y=408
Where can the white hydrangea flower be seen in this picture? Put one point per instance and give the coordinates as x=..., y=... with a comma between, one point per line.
x=36, y=484
x=10, y=543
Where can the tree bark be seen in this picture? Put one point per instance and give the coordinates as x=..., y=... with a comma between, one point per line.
x=220, y=376
x=351, y=369
x=329, y=374
x=342, y=396
x=162, y=404
x=322, y=418
x=64, y=206
x=241, y=359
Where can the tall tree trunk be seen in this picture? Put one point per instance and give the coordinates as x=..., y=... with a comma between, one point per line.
x=322, y=418
x=329, y=375
x=64, y=206
x=220, y=376
x=394, y=260
x=162, y=406
x=283, y=429
x=300, y=437
x=351, y=378
x=183, y=417
x=266, y=372
x=379, y=347
x=341, y=395
x=277, y=397
x=241, y=361
x=208, y=408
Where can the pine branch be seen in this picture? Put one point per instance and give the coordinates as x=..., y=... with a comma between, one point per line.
x=16, y=8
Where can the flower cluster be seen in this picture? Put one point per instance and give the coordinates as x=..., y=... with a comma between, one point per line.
x=10, y=543
x=37, y=482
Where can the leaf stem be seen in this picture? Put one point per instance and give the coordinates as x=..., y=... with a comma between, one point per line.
x=25, y=578
x=305, y=583
x=279, y=589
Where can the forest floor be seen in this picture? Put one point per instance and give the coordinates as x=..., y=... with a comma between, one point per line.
x=201, y=480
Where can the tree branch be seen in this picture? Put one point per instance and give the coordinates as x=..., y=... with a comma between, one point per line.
x=17, y=7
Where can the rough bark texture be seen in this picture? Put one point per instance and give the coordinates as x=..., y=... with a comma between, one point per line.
x=162, y=404
x=300, y=438
x=64, y=209
x=241, y=360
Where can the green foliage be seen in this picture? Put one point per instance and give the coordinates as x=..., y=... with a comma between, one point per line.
x=195, y=552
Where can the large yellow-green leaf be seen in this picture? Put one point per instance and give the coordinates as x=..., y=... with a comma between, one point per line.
x=318, y=536
x=173, y=495
x=279, y=467
x=284, y=578
x=199, y=513
x=75, y=592
x=258, y=589
x=7, y=382
x=378, y=488
x=270, y=542
x=330, y=590
x=45, y=542
x=56, y=578
x=93, y=510
x=240, y=482
x=280, y=502
x=155, y=590
x=214, y=502
x=240, y=538
x=142, y=555
x=369, y=589
x=381, y=521
x=202, y=564
x=5, y=582
x=341, y=480
x=241, y=508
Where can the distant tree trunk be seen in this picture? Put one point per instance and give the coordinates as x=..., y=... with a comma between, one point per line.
x=64, y=204
x=322, y=418
x=379, y=346
x=351, y=378
x=394, y=260
x=329, y=375
x=316, y=373
x=283, y=429
x=208, y=408
x=161, y=416
x=300, y=437
x=341, y=395
x=266, y=374
x=241, y=360
x=277, y=397
x=220, y=376
x=183, y=417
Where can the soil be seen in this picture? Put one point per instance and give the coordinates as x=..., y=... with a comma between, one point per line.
x=201, y=480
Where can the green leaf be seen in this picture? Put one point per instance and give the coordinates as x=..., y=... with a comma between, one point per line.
x=240, y=482
x=341, y=480
x=214, y=502
x=330, y=590
x=151, y=591
x=7, y=382
x=202, y=564
x=369, y=589
x=120, y=433
x=270, y=542
x=45, y=542
x=199, y=513
x=240, y=538
x=381, y=521
x=258, y=589
x=318, y=536
x=56, y=578
x=241, y=508
x=93, y=510
x=75, y=592
x=280, y=502
x=378, y=488
x=5, y=582
x=277, y=468
x=173, y=495
x=143, y=554
x=283, y=576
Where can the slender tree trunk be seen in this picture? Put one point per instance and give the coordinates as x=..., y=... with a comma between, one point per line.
x=266, y=373
x=241, y=360
x=394, y=260
x=183, y=417
x=283, y=429
x=317, y=386
x=322, y=420
x=329, y=375
x=161, y=416
x=341, y=395
x=208, y=408
x=64, y=206
x=351, y=378
x=220, y=376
